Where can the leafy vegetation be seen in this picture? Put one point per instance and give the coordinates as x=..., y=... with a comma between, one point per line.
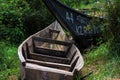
x=37, y=18
x=113, y=27
x=89, y=7
x=102, y=63
x=21, y=18
x=104, y=60
x=9, y=62
x=11, y=25
x=85, y=4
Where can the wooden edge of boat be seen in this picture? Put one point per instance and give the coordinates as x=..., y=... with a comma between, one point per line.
x=38, y=67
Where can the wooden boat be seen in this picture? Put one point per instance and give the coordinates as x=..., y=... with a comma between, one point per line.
x=83, y=28
x=49, y=55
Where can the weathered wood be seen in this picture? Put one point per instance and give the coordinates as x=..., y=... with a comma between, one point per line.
x=42, y=57
x=67, y=51
x=52, y=65
x=54, y=31
x=33, y=45
x=69, y=58
x=41, y=74
x=27, y=50
x=38, y=56
x=72, y=57
x=48, y=64
x=47, y=58
x=50, y=52
x=52, y=41
x=24, y=54
x=73, y=64
x=46, y=67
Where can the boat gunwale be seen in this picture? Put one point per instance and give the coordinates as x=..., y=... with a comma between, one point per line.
x=23, y=61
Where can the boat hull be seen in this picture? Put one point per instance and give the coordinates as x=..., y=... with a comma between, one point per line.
x=45, y=64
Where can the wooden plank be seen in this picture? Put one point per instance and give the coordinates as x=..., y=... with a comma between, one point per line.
x=27, y=50
x=72, y=57
x=24, y=54
x=67, y=51
x=47, y=58
x=54, y=31
x=50, y=52
x=74, y=64
x=52, y=41
x=52, y=65
x=48, y=64
x=36, y=72
x=33, y=44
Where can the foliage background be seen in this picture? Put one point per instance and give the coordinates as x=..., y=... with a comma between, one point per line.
x=18, y=20
x=21, y=18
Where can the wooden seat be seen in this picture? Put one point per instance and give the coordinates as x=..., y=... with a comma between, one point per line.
x=41, y=57
x=51, y=52
x=47, y=58
x=54, y=31
x=54, y=65
x=51, y=41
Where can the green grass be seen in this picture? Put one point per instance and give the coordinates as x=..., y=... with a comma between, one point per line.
x=99, y=59
x=9, y=62
x=103, y=63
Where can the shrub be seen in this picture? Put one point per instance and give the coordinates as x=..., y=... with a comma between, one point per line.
x=37, y=18
x=11, y=22
x=9, y=62
x=21, y=18
x=113, y=27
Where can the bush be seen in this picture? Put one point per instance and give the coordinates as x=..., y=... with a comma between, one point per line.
x=11, y=21
x=37, y=18
x=113, y=27
x=21, y=18
x=9, y=62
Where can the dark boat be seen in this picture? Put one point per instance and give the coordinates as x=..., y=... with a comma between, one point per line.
x=80, y=25
x=49, y=55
